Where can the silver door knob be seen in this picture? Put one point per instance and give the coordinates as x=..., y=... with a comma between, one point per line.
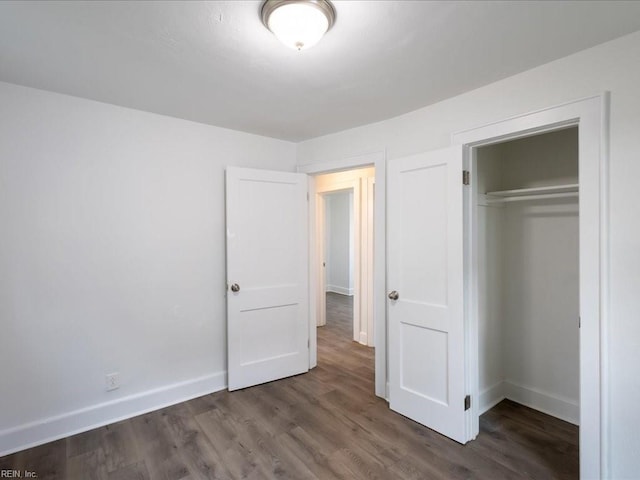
x=393, y=295
x=235, y=288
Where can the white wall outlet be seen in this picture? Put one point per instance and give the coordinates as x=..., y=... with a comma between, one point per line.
x=113, y=381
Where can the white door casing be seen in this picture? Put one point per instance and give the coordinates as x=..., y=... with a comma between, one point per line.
x=267, y=258
x=368, y=242
x=425, y=267
x=591, y=115
x=321, y=294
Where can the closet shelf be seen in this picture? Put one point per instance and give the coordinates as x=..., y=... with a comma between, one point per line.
x=524, y=194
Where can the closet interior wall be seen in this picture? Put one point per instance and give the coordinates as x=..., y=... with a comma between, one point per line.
x=528, y=296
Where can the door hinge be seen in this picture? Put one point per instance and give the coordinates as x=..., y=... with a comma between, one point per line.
x=307, y=196
x=465, y=177
x=579, y=322
x=308, y=344
x=467, y=402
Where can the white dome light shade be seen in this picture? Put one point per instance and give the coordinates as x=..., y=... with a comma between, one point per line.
x=298, y=24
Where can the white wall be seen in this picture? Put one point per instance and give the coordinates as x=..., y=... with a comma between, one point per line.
x=339, y=242
x=613, y=67
x=541, y=306
x=111, y=259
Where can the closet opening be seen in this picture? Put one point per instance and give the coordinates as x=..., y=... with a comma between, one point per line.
x=527, y=292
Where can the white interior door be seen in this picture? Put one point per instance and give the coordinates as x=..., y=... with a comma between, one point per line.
x=267, y=276
x=425, y=269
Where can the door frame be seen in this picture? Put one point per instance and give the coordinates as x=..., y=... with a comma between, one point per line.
x=376, y=159
x=591, y=115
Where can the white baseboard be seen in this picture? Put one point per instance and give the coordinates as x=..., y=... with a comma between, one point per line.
x=490, y=397
x=363, y=338
x=553, y=405
x=340, y=290
x=545, y=402
x=53, y=428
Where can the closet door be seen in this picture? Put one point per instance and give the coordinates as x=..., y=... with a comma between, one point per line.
x=425, y=281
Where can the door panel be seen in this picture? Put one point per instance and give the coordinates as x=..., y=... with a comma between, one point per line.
x=426, y=336
x=267, y=257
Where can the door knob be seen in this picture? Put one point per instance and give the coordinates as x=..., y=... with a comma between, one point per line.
x=235, y=288
x=393, y=295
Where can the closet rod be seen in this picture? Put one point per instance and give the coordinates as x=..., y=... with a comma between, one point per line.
x=522, y=198
x=570, y=187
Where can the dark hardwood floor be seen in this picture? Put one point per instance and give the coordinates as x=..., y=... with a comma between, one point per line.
x=321, y=425
x=339, y=316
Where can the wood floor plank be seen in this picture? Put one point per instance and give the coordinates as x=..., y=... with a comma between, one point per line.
x=156, y=445
x=197, y=452
x=90, y=465
x=356, y=463
x=48, y=461
x=273, y=461
x=136, y=471
x=511, y=442
x=85, y=442
x=120, y=449
x=308, y=451
x=326, y=424
x=228, y=437
x=530, y=418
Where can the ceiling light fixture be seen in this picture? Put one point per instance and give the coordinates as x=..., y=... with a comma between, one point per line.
x=298, y=24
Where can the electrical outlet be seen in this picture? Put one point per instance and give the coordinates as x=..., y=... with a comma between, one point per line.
x=113, y=381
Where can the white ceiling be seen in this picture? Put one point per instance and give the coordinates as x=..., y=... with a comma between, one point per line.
x=214, y=62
